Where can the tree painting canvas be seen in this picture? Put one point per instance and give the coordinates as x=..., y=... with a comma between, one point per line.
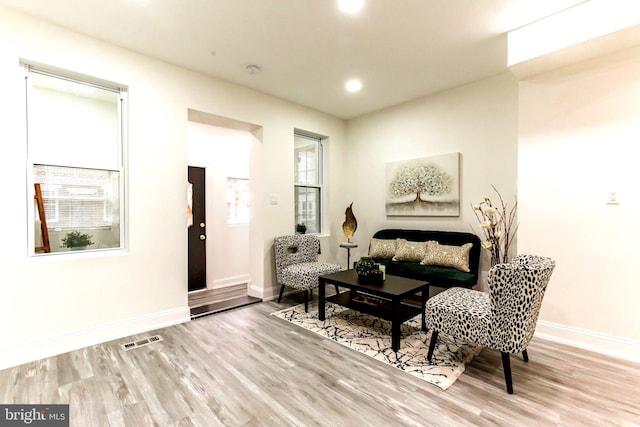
x=428, y=186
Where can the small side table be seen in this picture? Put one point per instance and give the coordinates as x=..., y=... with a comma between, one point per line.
x=348, y=246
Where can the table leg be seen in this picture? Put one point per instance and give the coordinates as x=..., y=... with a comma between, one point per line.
x=423, y=302
x=321, y=292
x=395, y=335
x=395, y=326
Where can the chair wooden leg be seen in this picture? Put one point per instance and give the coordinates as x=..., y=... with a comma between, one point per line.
x=337, y=290
x=432, y=344
x=281, y=291
x=506, y=365
x=525, y=356
x=306, y=301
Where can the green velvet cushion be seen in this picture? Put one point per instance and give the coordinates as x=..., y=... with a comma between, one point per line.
x=436, y=275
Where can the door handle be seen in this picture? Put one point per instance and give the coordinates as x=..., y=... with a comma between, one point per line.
x=202, y=237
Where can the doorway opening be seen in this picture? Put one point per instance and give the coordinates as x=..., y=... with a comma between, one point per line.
x=219, y=225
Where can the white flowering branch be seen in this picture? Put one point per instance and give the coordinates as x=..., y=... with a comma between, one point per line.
x=497, y=225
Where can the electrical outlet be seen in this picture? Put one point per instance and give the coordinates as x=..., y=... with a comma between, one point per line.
x=613, y=198
x=273, y=199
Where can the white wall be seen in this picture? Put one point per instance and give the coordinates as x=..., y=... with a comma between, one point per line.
x=565, y=139
x=58, y=303
x=224, y=153
x=578, y=136
x=478, y=120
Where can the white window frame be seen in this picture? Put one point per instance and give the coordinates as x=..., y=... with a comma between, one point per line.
x=36, y=159
x=319, y=186
x=232, y=210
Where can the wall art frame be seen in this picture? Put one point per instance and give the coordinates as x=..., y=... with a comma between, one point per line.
x=426, y=186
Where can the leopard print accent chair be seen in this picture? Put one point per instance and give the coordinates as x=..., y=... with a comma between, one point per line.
x=503, y=319
x=297, y=265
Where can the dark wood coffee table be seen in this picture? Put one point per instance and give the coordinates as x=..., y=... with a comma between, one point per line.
x=383, y=300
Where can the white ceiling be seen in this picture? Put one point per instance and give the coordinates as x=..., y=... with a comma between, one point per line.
x=307, y=49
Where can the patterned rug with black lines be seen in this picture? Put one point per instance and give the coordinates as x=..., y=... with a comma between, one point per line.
x=372, y=336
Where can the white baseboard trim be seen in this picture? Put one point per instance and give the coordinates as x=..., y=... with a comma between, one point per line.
x=91, y=336
x=230, y=281
x=259, y=292
x=269, y=294
x=609, y=345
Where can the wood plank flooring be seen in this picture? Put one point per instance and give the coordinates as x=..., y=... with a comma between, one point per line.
x=246, y=368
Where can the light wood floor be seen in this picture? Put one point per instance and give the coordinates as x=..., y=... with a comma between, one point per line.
x=246, y=368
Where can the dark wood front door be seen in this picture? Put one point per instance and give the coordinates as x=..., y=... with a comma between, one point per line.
x=197, y=232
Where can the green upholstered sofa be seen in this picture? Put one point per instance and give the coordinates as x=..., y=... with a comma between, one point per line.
x=436, y=275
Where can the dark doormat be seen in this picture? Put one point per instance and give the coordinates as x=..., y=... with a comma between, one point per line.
x=217, y=307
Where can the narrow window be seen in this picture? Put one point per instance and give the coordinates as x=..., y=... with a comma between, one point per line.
x=74, y=158
x=237, y=201
x=308, y=182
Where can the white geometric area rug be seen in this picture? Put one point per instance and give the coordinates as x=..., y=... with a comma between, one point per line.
x=372, y=336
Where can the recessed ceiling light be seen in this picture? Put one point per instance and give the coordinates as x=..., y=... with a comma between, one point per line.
x=350, y=6
x=353, y=85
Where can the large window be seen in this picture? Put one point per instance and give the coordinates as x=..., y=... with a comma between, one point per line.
x=308, y=182
x=74, y=160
